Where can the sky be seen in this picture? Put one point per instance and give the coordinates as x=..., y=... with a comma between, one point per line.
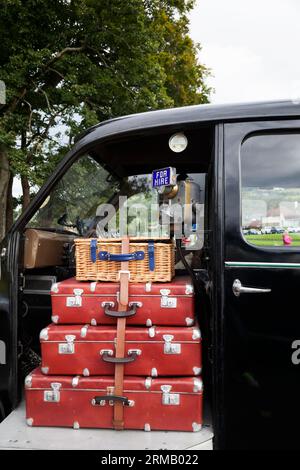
x=251, y=47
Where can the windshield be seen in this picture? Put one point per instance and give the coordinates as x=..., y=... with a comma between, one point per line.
x=90, y=201
x=76, y=196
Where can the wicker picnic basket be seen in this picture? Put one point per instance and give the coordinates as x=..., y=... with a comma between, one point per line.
x=100, y=259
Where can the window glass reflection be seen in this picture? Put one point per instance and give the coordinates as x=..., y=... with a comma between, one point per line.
x=270, y=174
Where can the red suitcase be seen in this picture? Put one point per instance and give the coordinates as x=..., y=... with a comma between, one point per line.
x=86, y=402
x=89, y=350
x=169, y=303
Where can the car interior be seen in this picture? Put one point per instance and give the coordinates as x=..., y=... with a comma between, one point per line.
x=73, y=209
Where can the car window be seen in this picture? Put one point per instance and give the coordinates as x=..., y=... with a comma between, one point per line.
x=75, y=198
x=91, y=201
x=270, y=192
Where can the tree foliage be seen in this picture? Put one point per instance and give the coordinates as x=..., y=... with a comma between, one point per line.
x=68, y=64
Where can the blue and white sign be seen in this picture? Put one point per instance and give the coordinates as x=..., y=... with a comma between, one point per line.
x=164, y=177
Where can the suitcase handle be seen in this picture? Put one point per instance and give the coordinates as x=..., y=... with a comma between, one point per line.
x=135, y=256
x=132, y=356
x=101, y=400
x=116, y=314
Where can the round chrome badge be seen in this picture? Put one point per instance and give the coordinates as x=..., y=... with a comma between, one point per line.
x=178, y=142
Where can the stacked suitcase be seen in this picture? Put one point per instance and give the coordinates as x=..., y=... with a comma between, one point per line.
x=161, y=382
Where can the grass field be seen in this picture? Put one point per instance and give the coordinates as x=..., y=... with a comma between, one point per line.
x=272, y=239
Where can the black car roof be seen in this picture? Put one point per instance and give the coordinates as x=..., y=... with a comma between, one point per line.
x=191, y=114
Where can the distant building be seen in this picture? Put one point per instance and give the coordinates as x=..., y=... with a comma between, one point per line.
x=273, y=221
x=257, y=224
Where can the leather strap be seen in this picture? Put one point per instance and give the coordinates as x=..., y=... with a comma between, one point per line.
x=93, y=248
x=151, y=254
x=118, y=421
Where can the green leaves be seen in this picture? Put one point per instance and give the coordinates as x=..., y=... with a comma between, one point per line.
x=70, y=64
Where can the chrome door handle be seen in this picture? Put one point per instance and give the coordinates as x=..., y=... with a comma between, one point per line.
x=238, y=289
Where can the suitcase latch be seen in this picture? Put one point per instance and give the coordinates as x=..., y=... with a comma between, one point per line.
x=169, y=398
x=75, y=301
x=166, y=301
x=53, y=396
x=68, y=347
x=169, y=347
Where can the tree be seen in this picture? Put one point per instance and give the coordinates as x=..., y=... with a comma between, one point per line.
x=69, y=64
x=4, y=184
x=185, y=76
